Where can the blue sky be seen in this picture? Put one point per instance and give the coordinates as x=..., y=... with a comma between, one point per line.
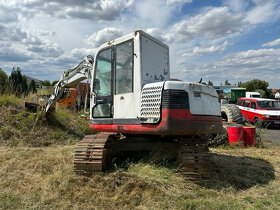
x=235, y=40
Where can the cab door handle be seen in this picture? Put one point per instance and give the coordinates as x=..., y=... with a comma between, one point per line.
x=101, y=100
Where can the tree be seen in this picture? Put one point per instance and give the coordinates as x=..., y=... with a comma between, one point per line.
x=3, y=81
x=262, y=93
x=46, y=83
x=54, y=82
x=18, y=82
x=227, y=82
x=256, y=85
x=32, y=87
x=210, y=83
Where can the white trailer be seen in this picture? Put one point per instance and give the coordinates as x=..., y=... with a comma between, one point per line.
x=253, y=95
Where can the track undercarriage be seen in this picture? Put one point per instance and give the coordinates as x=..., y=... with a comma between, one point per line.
x=94, y=152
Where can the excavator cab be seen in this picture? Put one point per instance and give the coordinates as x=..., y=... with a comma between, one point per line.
x=132, y=92
x=122, y=67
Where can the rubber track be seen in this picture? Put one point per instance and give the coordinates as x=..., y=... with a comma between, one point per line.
x=195, y=161
x=90, y=154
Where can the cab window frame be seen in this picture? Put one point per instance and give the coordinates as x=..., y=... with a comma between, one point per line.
x=115, y=67
x=112, y=69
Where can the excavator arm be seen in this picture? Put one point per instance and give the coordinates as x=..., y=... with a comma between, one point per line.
x=70, y=78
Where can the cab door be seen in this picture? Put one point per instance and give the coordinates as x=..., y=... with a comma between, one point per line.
x=112, y=92
x=102, y=90
x=124, y=104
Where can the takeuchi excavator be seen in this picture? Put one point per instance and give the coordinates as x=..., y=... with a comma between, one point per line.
x=134, y=106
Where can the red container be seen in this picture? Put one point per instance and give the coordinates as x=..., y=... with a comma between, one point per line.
x=250, y=136
x=235, y=135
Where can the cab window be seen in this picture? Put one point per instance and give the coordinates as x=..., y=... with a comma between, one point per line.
x=124, y=67
x=102, y=80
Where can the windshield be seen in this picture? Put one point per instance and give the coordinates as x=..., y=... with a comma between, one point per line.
x=269, y=104
x=102, y=80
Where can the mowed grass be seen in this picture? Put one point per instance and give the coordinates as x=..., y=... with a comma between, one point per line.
x=36, y=171
x=43, y=178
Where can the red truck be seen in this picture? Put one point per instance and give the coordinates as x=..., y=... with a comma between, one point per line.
x=260, y=111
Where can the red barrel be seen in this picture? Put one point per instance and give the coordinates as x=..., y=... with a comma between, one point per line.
x=235, y=135
x=250, y=136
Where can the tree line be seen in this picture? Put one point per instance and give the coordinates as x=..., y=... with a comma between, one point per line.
x=16, y=83
x=254, y=85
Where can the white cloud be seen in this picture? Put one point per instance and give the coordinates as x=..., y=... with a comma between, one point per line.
x=52, y=35
x=80, y=53
x=87, y=9
x=254, y=59
x=157, y=33
x=216, y=23
x=104, y=35
x=155, y=13
x=237, y=5
x=46, y=49
x=11, y=34
x=44, y=33
x=210, y=50
x=272, y=43
x=266, y=11
x=169, y=2
x=241, y=66
x=7, y=15
x=13, y=54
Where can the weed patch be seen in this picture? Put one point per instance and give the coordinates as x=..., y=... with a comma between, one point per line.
x=21, y=128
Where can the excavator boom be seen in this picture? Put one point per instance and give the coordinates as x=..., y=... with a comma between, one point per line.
x=69, y=79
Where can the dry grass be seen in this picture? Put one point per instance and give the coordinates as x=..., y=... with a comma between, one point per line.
x=33, y=176
x=6, y=100
x=21, y=128
x=43, y=178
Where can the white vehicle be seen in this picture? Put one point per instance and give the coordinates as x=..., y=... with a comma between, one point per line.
x=131, y=93
x=253, y=95
x=261, y=111
x=277, y=95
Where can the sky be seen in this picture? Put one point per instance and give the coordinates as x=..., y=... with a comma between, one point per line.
x=216, y=40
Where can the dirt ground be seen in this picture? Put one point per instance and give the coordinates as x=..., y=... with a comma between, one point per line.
x=270, y=135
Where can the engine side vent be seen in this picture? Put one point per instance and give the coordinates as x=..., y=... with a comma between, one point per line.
x=175, y=99
x=151, y=103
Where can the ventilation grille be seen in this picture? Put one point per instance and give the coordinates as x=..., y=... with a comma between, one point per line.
x=175, y=99
x=151, y=103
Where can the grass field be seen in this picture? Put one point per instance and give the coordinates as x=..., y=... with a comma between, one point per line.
x=36, y=172
x=44, y=178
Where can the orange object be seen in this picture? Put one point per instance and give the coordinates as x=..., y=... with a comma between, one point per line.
x=74, y=98
x=250, y=136
x=235, y=135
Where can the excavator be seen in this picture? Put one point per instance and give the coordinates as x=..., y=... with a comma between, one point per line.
x=134, y=106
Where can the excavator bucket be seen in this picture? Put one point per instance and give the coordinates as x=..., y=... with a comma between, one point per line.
x=30, y=106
